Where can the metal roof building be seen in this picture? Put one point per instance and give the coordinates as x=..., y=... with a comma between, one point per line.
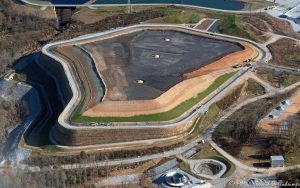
x=276, y=160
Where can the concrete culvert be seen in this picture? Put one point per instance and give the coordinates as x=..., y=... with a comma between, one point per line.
x=208, y=168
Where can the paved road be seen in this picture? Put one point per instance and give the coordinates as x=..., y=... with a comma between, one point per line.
x=64, y=117
x=217, y=95
x=74, y=85
x=119, y=162
x=176, y=151
x=179, y=150
x=267, y=86
x=264, y=55
x=230, y=112
x=184, y=148
x=282, y=68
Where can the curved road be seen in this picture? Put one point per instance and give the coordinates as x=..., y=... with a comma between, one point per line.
x=230, y=112
x=264, y=55
x=184, y=148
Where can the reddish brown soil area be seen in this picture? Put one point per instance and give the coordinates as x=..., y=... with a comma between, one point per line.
x=177, y=94
x=204, y=24
x=273, y=125
x=174, y=96
x=167, y=101
x=227, y=61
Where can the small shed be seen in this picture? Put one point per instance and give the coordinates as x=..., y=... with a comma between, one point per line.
x=276, y=160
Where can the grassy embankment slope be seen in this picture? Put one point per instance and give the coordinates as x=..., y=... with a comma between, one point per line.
x=165, y=116
x=230, y=24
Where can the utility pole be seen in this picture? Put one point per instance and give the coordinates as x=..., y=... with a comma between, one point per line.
x=250, y=6
x=106, y=166
x=298, y=47
x=129, y=6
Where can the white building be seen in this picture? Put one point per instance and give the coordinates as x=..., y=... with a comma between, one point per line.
x=277, y=161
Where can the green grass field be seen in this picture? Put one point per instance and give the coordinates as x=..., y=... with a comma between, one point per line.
x=165, y=116
x=231, y=25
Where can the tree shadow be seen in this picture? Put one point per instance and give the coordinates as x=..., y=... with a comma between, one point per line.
x=257, y=156
x=262, y=165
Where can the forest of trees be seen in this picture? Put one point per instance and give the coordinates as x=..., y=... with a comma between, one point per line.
x=285, y=142
x=42, y=160
x=59, y=177
x=241, y=127
x=23, y=34
x=19, y=33
x=11, y=112
x=12, y=22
